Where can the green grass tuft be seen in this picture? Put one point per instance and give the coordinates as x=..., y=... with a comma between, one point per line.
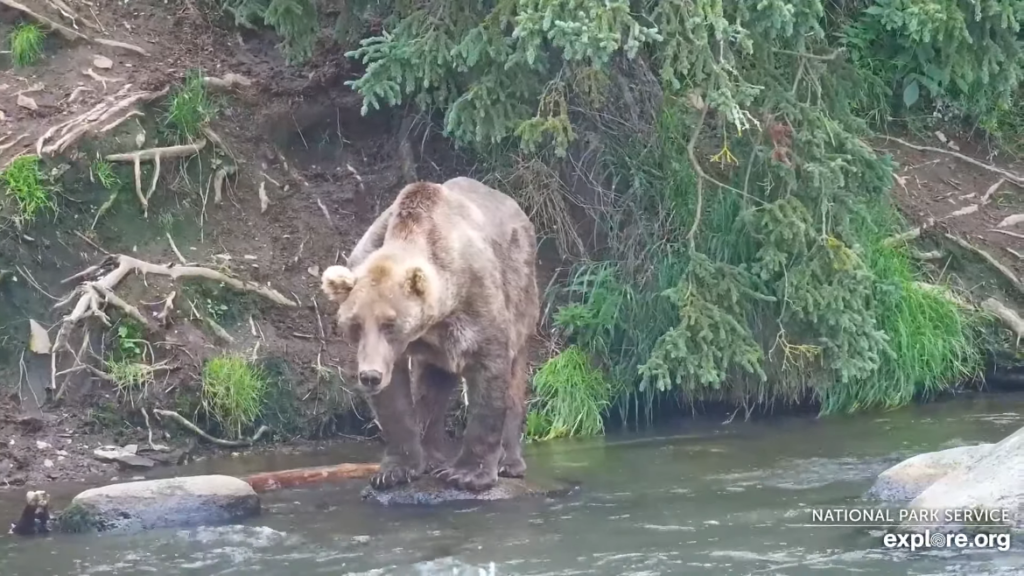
x=190, y=107
x=24, y=182
x=105, y=174
x=26, y=44
x=570, y=398
x=233, y=392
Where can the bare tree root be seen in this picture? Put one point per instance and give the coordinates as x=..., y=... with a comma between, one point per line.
x=154, y=154
x=94, y=295
x=97, y=119
x=1006, y=315
x=125, y=45
x=1012, y=177
x=991, y=260
x=227, y=82
x=199, y=432
x=218, y=182
x=64, y=31
x=908, y=235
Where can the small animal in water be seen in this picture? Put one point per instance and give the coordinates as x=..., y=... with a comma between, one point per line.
x=35, y=517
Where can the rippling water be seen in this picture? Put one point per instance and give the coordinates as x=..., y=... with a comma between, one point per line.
x=700, y=499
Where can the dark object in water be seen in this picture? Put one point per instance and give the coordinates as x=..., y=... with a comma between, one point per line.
x=35, y=517
x=428, y=491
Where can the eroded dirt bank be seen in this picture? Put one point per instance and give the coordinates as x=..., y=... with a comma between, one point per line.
x=307, y=174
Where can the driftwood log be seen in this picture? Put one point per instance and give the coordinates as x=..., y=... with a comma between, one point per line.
x=299, y=477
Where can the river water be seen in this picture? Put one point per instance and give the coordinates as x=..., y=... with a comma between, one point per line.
x=696, y=498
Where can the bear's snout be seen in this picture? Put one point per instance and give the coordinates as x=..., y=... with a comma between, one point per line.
x=371, y=379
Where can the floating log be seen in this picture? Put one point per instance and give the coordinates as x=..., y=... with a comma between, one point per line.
x=268, y=481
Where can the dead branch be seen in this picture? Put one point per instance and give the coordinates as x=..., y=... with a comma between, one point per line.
x=199, y=432
x=1007, y=232
x=1015, y=178
x=282, y=479
x=1010, y=318
x=991, y=260
x=992, y=190
x=154, y=154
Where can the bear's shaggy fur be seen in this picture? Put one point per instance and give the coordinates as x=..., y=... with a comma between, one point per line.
x=442, y=286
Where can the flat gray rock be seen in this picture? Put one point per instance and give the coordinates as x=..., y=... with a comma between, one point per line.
x=992, y=483
x=908, y=479
x=164, y=503
x=428, y=491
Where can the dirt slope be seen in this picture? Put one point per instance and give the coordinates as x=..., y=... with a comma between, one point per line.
x=297, y=132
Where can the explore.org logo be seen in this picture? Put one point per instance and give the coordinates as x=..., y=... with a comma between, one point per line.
x=937, y=540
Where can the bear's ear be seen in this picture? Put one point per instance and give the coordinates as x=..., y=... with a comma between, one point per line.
x=337, y=282
x=416, y=282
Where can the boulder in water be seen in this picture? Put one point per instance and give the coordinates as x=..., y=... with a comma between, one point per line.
x=428, y=490
x=908, y=479
x=993, y=484
x=164, y=503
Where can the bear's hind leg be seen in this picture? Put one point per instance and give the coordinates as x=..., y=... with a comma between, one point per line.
x=487, y=382
x=396, y=415
x=434, y=388
x=512, y=463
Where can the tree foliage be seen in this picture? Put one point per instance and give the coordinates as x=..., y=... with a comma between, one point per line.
x=749, y=201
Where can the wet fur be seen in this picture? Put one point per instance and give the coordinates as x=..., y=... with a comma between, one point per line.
x=468, y=253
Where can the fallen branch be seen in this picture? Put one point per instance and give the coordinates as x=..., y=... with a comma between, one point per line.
x=199, y=432
x=125, y=45
x=283, y=479
x=991, y=260
x=1008, y=316
x=1015, y=178
x=154, y=154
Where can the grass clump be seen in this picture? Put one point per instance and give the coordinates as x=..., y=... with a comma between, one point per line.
x=190, y=107
x=233, y=392
x=25, y=184
x=570, y=398
x=26, y=44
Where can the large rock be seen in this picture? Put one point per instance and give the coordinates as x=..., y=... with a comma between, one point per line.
x=164, y=503
x=993, y=483
x=908, y=479
x=428, y=490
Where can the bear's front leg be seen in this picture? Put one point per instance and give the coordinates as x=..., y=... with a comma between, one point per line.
x=433, y=391
x=476, y=467
x=396, y=416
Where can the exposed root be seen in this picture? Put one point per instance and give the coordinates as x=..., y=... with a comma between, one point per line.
x=164, y=316
x=154, y=154
x=991, y=260
x=176, y=251
x=1012, y=177
x=94, y=295
x=1009, y=318
x=97, y=119
x=64, y=31
x=909, y=234
x=199, y=432
x=992, y=190
x=104, y=208
x=124, y=45
x=227, y=82
x=217, y=329
x=218, y=182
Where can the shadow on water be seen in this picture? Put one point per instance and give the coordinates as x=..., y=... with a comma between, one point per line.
x=695, y=498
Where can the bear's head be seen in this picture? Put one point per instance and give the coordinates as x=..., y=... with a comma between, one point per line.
x=383, y=304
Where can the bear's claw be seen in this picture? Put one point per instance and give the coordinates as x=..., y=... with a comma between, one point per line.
x=512, y=469
x=475, y=480
x=391, y=476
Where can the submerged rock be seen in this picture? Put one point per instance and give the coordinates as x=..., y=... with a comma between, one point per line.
x=908, y=479
x=164, y=503
x=428, y=490
x=992, y=483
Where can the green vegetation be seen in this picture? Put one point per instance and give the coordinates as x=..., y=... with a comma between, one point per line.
x=26, y=44
x=571, y=397
x=233, y=392
x=26, y=185
x=190, y=107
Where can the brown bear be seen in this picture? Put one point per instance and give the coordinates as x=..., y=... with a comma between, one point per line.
x=443, y=286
